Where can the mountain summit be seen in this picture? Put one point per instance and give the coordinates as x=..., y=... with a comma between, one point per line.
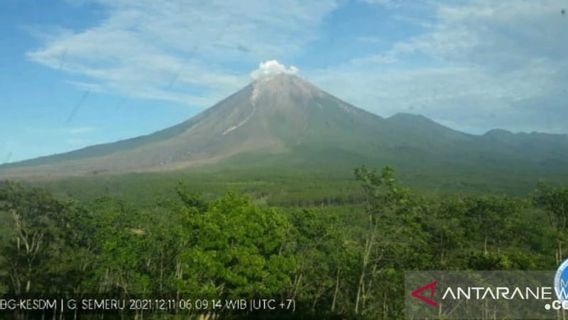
x=282, y=120
x=271, y=115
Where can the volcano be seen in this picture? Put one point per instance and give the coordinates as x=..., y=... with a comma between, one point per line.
x=283, y=120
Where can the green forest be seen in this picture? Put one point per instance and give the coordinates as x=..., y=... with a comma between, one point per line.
x=342, y=258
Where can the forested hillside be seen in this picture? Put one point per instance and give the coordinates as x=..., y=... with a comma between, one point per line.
x=341, y=260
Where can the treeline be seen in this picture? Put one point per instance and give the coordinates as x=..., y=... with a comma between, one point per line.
x=231, y=248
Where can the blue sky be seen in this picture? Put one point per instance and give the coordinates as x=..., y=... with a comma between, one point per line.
x=81, y=72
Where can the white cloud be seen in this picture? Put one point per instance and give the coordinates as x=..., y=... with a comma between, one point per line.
x=481, y=64
x=270, y=68
x=477, y=63
x=183, y=51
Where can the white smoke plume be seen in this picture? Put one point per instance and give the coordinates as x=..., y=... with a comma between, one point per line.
x=271, y=68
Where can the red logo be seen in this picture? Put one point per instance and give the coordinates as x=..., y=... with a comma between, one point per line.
x=429, y=287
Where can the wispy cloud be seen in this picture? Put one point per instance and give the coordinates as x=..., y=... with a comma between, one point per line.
x=142, y=45
x=477, y=64
x=481, y=64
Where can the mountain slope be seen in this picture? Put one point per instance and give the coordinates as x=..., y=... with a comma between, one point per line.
x=270, y=115
x=283, y=120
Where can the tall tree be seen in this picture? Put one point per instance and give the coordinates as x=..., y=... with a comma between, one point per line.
x=385, y=200
x=554, y=202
